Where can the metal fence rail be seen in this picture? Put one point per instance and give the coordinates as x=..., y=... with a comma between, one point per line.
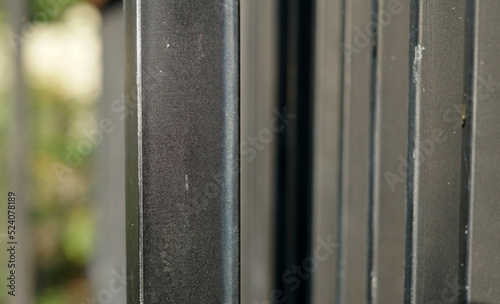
x=183, y=151
x=435, y=208
x=369, y=151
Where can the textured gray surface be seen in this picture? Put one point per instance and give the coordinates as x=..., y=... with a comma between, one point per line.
x=188, y=143
x=435, y=212
x=484, y=252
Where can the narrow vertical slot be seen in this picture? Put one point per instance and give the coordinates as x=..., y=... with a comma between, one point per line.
x=294, y=151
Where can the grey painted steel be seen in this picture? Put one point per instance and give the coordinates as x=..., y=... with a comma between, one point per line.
x=259, y=132
x=436, y=227
x=109, y=258
x=353, y=263
x=326, y=147
x=390, y=131
x=133, y=183
x=484, y=258
x=183, y=151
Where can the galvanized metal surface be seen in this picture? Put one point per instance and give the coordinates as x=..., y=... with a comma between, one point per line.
x=436, y=212
x=483, y=273
x=183, y=151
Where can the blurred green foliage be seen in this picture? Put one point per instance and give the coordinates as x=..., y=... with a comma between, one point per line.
x=61, y=212
x=49, y=10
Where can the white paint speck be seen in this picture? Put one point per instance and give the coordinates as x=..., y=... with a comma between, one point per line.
x=187, y=182
x=416, y=63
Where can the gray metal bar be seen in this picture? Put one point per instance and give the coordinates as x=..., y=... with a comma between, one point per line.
x=183, y=151
x=133, y=209
x=260, y=129
x=356, y=108
x=18, y=152
x=389, y=141
x=483, y=273
x=436, y=213
x=109, y=257
x=326, y=148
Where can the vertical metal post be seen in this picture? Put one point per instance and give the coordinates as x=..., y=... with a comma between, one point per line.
x=389, y=140
x=483, y=269
x=182, y=158
x=260, y=128
x=326, y=148
x=109, y=254
x=19, y=156
x=357, y=49
x=436, y=212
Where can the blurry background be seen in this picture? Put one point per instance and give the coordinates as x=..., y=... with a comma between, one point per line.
x=61, y=139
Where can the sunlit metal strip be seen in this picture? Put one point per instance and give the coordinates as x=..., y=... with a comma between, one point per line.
x=389, y=141
x=260, y=128
x=483, y=273
x=183, y=151
x=326, y=149
x=436, y=214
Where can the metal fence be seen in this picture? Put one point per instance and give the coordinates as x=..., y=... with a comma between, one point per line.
x=363, y=134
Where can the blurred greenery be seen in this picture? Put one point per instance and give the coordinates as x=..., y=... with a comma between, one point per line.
x=62, y=214
x=49, y=10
